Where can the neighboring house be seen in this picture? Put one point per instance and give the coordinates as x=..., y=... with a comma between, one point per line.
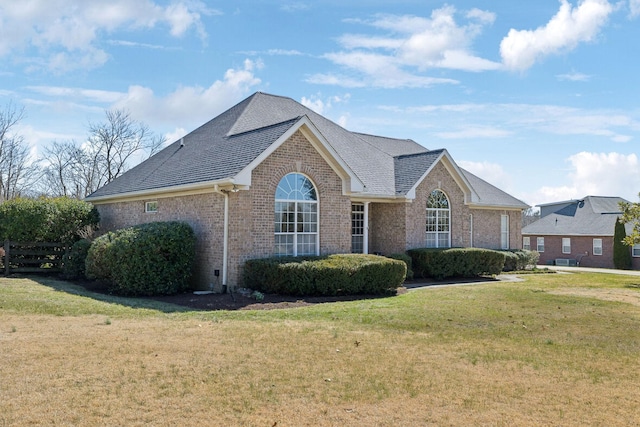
x=270, y=177
x=577, y=232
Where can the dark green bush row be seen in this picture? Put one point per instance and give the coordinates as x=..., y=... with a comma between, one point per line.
x=456, y=262
x=344, y=274
x=520, y=259
x=149, y=259
x=73, y=266
x=407, y=260
x=61, y=220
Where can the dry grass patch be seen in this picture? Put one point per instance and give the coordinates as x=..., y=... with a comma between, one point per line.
x=499, y=354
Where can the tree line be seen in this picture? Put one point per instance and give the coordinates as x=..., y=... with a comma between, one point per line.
x=71, y=168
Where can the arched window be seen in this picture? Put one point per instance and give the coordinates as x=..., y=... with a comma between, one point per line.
x=438, y=220
x=296, y=216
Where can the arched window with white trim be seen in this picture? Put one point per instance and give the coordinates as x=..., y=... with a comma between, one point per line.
x=438, y=220
x=296, y=216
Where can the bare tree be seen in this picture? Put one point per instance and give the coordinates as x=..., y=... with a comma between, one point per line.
x=112, y=147
x=113, y=143
x=530, y=215
x=16, y=170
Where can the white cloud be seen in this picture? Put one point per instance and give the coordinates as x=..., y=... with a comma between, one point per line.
x=320, y=106
x=570, y=26
x=191, y=105
x=66, y=32
x=474, y=132
x=634, y=7
x=491, y=172
x=410, y=46
x=574, y=77
x=176, y=134
x=595, y=174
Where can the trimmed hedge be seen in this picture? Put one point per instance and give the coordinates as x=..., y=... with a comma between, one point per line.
x=407, y=260
x=73, y=266
x=456, y=262
x=59, y=220
x=520, y=259
x=340, y=274
x=148, y=259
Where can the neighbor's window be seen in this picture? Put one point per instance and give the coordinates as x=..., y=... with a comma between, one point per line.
x=597, y=246
x=526, y=243
x=438, y=220
x=296, y=216
x=504, y=231
x=566, y=245
x=540, y=244
x=151, y=207
x=635, y=251
x=357, y=228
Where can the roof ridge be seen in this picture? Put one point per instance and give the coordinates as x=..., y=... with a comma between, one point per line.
x=401, y=156
x=292, y=120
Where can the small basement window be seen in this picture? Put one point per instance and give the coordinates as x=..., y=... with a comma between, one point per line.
x=151, y=207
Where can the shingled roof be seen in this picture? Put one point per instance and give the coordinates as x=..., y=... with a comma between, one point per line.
x=225, y=146
x=589, y=216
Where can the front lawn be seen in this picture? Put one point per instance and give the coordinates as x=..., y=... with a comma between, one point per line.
x=557, y=349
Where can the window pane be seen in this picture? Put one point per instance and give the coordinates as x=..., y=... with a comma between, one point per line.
x=526, y=243
x=540, y=244
x=597, y=246
x=296, y=216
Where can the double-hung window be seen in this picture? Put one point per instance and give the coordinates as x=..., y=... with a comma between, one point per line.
x=296, y=217
x=526, y=243
x=635, y=251
x=540, y=244
x=438, y=220
x=566, y=245
x=597, y=246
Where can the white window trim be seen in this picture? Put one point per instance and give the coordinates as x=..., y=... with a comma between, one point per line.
x=295, y=233
x=151, y=207
x=568, y=240
x=539, y=244
x=635, y=251
x=363, y=213
x=504, y=231
x=599, y=247
x=527, y=245
x=439, y=212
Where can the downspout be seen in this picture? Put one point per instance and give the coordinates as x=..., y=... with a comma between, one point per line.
x=225, y=236
x=365, y=237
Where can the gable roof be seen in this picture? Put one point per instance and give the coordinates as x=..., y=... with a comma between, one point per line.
x=225, y=150
x=590, y=216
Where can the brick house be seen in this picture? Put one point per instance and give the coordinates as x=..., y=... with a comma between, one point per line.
x=271, y=177
x=578, y=232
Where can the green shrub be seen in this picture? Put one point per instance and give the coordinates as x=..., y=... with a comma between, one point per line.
x=61, y=219
x=148, y=259
x=621, y=252
x=520, y=259
x=73, y=266
x=407, y=260
x=340, y=274
x=456, y=262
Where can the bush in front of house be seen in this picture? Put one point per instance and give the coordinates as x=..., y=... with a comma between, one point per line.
x=520, y=259
x=339, y=274
x=456, y=262
x=73, y=266
x=58, y=220
x=148, y=259
x=407, y=260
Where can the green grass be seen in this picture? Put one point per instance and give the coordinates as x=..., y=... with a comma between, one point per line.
x=555, y=349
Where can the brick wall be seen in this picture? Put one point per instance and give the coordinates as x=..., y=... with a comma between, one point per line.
x=252, y=212
x=204, y=213
x=581, y=249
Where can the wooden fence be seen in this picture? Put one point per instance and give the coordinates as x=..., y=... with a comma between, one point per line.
x=33, y=257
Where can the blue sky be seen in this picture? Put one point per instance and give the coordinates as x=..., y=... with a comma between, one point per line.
x=537, y=97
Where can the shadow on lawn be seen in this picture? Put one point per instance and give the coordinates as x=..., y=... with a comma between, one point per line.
x=190, y=301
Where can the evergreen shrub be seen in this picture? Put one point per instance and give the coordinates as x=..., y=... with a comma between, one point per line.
x=456, y=262
x=148, y=259
x=339, y=274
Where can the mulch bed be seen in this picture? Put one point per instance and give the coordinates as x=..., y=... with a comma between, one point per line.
x=235, y=301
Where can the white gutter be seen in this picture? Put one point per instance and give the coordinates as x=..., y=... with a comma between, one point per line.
x=365, y=237
x=225, y=235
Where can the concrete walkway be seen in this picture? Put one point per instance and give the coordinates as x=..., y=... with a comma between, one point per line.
x=592, y=270
x=421, y=284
